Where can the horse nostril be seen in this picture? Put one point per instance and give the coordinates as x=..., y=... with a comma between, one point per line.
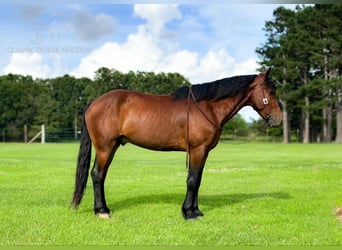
x=273, y=121
x=277, y=122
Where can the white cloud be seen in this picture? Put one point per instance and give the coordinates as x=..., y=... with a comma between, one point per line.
x=145, y=51
x=211, y=66
x=182, y=61
x=219, y=64
x=157, y=15
x=139, y=52
x=28, y=64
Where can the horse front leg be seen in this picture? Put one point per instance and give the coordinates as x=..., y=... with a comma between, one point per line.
x=190, y=208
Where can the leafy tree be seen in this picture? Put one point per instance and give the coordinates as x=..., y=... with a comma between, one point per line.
x=59, y=102
x=67, y=102
x=236, y=127
x=277, y=53
x=147, y=82
x=304, y=46
x=19, y=104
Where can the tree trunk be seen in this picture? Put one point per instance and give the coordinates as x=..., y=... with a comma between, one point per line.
x=286, y=123
x=75, y=125
x=327, y=110
x=25, y=134
x=327, y=123
x=306, y=111
x=306, y=132
x=324, y=124
x=339, y=125
x=339, y=117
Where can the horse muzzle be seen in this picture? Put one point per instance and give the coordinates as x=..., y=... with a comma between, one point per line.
x=274, y=121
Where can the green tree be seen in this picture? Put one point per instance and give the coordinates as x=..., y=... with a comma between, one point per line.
x=146, y=82
x=236, y=127
x=277, y=53
x=161, y=83
x=67, y=101
x=304, y=46
x=106, y=80
x=19, y=104
x=329, y=58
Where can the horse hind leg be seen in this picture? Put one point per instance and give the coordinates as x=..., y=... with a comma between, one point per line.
x=99, y=172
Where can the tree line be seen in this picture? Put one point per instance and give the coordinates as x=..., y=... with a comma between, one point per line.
x=58, y=103
x=304, y=47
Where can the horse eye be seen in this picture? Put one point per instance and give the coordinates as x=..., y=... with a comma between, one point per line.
x=271, y=86
x=273, y=91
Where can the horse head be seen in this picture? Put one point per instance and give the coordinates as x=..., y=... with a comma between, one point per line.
x=263, y=99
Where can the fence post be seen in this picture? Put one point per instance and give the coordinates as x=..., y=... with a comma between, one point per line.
x=43, y=134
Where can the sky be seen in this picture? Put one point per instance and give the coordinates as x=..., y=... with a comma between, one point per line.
x=203, y=42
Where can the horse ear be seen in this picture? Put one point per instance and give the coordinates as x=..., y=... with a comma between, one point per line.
x=268, y=72
x=265, y=73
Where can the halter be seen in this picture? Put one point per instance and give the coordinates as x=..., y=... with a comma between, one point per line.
x=265, y=101
x=191, y=96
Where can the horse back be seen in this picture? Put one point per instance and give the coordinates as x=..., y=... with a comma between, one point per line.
x=151, y=121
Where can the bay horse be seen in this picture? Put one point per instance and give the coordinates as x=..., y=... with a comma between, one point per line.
x=190, y=119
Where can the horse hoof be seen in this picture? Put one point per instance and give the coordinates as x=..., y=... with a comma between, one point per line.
x=198, y=213
x=192, y=214
x=103, y=216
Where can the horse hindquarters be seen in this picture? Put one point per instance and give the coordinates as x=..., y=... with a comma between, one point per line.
x=106, y=140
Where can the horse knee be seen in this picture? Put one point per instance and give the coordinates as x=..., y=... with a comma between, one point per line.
x=95, y=175
x=194, y=178
x=98, y=174
x=191, y=182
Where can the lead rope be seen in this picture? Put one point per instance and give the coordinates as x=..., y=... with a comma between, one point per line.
x=188, y=130
x=191, y=96
x=202, y=112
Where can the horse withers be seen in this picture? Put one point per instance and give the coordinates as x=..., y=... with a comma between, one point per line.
x=190, y=119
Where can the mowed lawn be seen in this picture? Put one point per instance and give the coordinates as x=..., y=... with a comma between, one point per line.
x=251, y=194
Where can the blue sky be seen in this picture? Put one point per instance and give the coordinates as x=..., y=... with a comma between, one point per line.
x=203, y=42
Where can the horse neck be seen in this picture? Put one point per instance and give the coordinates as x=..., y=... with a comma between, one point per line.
x=226, y=108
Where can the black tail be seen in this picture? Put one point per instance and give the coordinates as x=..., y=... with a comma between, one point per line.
x=83, y=165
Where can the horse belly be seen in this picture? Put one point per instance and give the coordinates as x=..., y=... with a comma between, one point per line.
x=155, y=132
x=155, y=139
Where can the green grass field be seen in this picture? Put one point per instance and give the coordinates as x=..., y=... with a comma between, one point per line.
x=251, y=194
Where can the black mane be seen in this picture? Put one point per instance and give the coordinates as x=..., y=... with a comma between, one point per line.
x=216, y=90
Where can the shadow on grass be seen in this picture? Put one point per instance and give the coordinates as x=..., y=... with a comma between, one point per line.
x=209, y=201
